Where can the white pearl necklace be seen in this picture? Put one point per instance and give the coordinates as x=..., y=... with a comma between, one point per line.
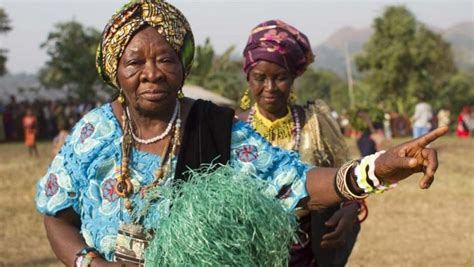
x=162, y=135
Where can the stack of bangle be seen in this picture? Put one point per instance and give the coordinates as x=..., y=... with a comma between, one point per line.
x=363, y=178
x=366, y=179
x=85, y=257
x=342, y=186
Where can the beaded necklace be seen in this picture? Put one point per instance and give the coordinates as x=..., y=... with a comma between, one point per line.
x=158, y=137
x=287, y=127
x=124, y=186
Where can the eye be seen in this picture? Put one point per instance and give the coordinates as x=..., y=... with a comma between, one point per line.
x=167, y=60
x=133, y=62
x=259, y=78
x=283, y=78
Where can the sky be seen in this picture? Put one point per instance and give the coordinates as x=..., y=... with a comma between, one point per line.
x=225, y=22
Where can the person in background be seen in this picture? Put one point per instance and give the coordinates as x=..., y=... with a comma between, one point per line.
x=30, y=131
x=443, y=117
x=387, y=126
x=308, y=130
x=421, y=118
x=464, y=120
x=2, y=128
x=59, y=139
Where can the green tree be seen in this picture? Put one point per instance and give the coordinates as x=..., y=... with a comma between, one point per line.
x=322, y=84
x=71, y=66
x=4, y=28
x=218, y=73
x=226, y=77
x=457, y=92
x=202, y=64
x=403, y=60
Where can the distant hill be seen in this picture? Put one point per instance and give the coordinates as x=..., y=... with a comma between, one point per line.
x=330, y=54
x=461, y=37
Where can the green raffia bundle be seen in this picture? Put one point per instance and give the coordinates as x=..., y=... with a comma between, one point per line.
x=222, y=218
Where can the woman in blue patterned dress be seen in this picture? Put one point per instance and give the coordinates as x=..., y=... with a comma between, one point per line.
x=151, y=133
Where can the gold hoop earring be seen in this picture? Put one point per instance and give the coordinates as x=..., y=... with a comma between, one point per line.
x=245, y=100
x=180, y=94
x=121, y=97
x=293, y=98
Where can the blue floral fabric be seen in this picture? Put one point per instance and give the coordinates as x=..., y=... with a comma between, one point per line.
x=83, y=174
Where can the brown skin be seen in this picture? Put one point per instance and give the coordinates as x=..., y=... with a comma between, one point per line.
x=398, y=163
x=151, y=114
x=270, y=85
x=150, y=75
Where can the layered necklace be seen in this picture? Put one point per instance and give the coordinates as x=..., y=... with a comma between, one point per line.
x=159, y=137
x=284, y=132
x=125, y=186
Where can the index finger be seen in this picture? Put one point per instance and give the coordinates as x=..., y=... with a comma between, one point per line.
x=424, y=140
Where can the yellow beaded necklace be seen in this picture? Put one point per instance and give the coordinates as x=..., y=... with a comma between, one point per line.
x=278, y=132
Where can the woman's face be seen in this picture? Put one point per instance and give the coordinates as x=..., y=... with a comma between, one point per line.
x=150, y=73
x=270, y=85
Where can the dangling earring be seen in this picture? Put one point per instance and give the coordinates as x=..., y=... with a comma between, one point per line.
x=293, y=98
x=245, y=100
x=180, y=94
x=121, y=98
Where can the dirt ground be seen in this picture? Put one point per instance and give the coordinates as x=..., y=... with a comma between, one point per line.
x=409, y=227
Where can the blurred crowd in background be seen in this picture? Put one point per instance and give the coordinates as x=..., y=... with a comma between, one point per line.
x=52, y=119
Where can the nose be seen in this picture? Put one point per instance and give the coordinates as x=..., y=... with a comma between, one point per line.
x=270, y=84
x=151, y=73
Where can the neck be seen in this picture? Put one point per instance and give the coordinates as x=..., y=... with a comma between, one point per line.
x=146, y=126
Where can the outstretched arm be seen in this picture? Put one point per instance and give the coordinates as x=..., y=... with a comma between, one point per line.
x=396, y=164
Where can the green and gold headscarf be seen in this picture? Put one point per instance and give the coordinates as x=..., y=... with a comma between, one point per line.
x=130, y=19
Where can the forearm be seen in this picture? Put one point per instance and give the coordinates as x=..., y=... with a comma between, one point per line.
x=63, y=231
x=320, y=187
x=320, y=184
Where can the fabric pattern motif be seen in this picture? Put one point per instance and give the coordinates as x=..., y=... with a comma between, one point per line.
x=82, y=175
x=280, y=43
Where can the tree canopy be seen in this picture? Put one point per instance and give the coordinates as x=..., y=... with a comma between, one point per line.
x=71, y=66
x=218, y=73
x=404, y=60
x=322, y=84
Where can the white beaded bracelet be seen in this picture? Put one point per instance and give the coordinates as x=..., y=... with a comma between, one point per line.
x=366, y=178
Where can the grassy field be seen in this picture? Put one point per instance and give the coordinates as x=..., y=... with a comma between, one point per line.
x=409, y=227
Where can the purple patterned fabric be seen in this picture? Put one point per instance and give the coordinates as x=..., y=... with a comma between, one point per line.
x=280, y=43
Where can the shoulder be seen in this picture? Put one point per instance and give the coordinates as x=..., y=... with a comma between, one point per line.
x=242, y=132
x=318, y=109
x=100, y=118
x=94, y=129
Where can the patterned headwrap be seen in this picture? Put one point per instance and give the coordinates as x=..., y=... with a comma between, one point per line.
x=130, y=19
x=280, y=43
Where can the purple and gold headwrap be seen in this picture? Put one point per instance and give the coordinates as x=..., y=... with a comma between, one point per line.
x=130, y=19
x=280, y=43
